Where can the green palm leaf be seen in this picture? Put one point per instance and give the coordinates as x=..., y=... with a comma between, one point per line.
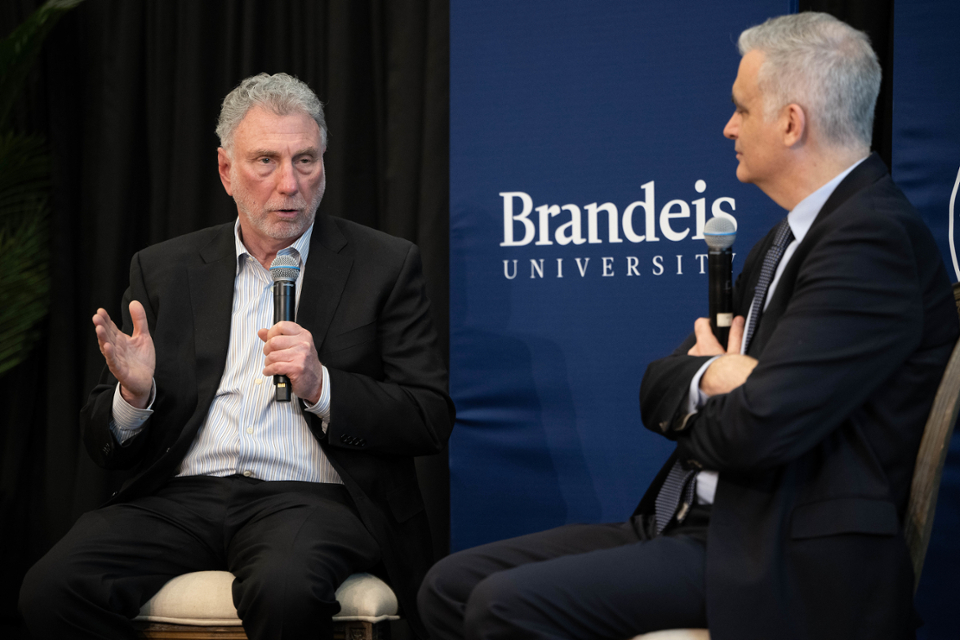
x=24, y=189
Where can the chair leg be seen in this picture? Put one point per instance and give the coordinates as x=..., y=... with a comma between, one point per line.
x=160, y=631
x=357, y=630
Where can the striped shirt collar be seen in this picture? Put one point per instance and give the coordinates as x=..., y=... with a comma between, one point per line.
x=299, y=249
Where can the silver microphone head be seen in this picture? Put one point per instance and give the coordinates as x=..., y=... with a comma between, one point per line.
x=285, y=268
x=719, y=233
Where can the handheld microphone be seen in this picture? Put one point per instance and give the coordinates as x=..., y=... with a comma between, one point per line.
x=719, y=234
x=284, y=270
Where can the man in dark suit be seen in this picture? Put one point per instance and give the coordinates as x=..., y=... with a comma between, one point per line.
x=780, y=513
x=292, y=497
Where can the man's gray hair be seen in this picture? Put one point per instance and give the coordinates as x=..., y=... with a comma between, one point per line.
x=822, y=64
x=280, y=93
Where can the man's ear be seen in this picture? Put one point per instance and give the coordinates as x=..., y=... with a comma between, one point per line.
x=793, y=125
x=223, y=162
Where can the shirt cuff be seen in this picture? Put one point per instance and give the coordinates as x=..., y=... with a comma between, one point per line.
x=322, y=408
x=696, y=398
x=128, y=420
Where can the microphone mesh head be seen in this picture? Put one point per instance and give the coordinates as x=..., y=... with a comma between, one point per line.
x=719, y=233
x=285, y=268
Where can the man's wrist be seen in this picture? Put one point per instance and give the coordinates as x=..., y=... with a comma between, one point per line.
x=136, y=400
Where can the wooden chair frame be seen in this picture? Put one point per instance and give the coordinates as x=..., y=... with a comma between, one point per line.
x=350, y=630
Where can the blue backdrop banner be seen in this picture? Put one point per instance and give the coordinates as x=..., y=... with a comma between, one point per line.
x=926, y=165
x=586, y=155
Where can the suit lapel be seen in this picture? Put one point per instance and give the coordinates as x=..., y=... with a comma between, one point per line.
x=211, y=294
x=868, y=172
x=325, y=277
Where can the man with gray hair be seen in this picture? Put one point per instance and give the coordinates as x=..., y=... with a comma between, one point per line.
x=780, y=513
x=290, y=496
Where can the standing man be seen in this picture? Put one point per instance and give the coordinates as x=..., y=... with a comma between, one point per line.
x=292, y=497
x=780, y=513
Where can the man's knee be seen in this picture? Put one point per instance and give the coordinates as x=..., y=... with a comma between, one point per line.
x=35, y=599
x=50, y=591
x=496, y=605
x=442, y=591
x=440, y=581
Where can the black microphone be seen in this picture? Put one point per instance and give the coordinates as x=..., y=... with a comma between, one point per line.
x=719, y=234
x=284, y=270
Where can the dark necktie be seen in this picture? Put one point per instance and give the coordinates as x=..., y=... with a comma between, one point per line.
x=678, y=487
x=783, y=237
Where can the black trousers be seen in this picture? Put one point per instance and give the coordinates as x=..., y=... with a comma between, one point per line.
x=289, y=544
x=576, y=581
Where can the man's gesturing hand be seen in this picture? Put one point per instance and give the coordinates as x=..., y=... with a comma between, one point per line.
x=290, y=352
x=730, y=370
x=131, y=359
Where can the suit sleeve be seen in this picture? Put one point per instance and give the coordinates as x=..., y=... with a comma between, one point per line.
x=408, y=411
x=666, y=382
x=854, y=317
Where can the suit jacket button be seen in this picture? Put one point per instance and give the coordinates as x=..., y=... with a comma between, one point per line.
x=343, y=437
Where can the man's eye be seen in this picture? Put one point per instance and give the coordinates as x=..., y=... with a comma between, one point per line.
x=264, y=161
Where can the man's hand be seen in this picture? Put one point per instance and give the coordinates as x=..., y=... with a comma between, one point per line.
x=131, y=359
x=729, y=371
x=290, y=352
x=707, y=343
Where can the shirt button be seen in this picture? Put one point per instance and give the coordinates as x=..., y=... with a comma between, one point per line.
x=258, y=381
x=247, y=474
x=249, y=429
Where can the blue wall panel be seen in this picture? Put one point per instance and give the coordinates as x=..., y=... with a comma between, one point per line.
x=564, y=114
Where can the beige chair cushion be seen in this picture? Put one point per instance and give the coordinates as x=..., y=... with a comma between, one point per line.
x=204, y=598
x=676, y=634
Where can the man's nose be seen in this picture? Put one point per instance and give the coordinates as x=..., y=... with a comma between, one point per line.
x=731, y=129
x=287, y=179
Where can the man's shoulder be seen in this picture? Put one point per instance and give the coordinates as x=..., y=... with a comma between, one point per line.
x=190, y=244
x=869, y=199
x=366, y=241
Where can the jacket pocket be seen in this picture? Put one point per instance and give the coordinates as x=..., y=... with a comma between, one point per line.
x=844, y=515
x=405, y=502
x=360, y=335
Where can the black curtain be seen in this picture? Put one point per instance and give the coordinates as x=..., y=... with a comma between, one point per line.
x=127, y=93
x=875, y=18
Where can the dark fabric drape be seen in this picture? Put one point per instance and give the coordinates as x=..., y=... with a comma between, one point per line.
x=875, y=18
x=127, y=94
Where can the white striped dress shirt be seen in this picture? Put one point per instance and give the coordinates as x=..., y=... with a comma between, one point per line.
x=246, y=430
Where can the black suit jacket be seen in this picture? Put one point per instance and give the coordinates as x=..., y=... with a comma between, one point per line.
x=815, y=451
x=363, y=300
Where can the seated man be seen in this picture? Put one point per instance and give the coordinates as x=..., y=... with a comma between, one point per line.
x=780, y=513
x=291, y=497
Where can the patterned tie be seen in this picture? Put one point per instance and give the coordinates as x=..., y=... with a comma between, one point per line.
x=677, y=489
x=783, y=238
x=678, y=484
